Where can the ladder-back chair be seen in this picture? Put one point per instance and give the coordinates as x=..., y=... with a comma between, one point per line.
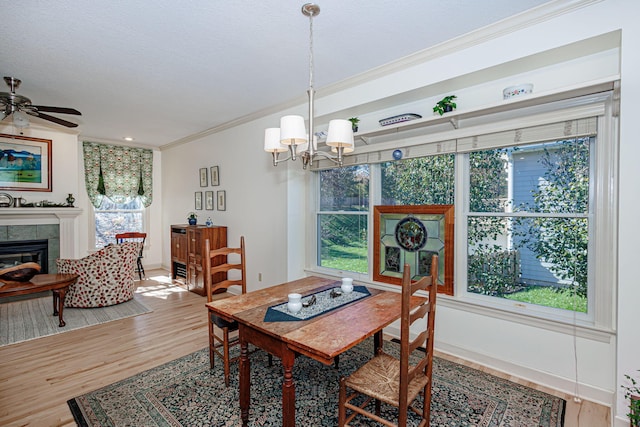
x=135, y=237
x=216, y=279
x=394, y=381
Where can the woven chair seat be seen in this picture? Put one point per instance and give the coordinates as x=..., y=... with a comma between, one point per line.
x=380, y=379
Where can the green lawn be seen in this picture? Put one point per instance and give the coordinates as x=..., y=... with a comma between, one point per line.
x=550, y=297
x=349, y=258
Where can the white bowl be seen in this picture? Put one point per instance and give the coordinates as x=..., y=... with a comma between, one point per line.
x=517, y=90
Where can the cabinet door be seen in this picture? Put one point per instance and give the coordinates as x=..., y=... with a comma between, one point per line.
x=179, y=247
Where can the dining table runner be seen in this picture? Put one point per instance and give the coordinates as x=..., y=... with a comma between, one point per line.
x=325, y=301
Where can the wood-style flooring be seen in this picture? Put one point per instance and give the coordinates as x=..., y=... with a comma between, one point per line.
x=37, y=377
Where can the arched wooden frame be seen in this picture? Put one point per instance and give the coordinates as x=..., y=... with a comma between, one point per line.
x=389, y=256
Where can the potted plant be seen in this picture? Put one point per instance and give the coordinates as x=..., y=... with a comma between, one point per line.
x=445, y=105
x=192, y=218
x=632, y=393
x=354, y=123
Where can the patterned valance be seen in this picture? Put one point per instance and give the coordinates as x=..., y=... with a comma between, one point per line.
x=118, y=172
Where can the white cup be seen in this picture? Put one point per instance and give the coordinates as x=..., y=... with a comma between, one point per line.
x=295, y=303
x=347, y=285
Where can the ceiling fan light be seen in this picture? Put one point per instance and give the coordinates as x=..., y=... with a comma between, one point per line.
x=292, y=130
x=20, y=119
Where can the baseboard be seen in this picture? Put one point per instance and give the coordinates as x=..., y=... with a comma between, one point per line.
x=545, y=379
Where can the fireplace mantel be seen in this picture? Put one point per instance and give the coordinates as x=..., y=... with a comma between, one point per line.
x=66, y=217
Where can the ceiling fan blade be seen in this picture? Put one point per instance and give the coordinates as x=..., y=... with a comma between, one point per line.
x=54, y=119
x=57, y=110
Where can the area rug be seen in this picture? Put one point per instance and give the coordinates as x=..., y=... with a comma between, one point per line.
x=185, y=392
x=27, y=319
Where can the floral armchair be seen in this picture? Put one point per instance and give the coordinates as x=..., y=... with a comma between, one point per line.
x=106, y=277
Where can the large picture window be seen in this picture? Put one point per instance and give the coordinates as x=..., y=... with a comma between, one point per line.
x=534, y=193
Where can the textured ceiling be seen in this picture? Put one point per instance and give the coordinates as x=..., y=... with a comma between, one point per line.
x=163, y=70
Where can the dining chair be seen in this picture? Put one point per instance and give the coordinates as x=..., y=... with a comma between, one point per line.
x=135, y=237
x=398, y=382
x=216, y=279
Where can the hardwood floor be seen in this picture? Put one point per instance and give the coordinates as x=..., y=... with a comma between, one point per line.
x=37, y=377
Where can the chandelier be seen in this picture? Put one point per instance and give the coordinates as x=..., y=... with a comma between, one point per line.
x=292, y=136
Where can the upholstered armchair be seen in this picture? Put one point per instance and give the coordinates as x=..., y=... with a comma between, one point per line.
x=106, y=277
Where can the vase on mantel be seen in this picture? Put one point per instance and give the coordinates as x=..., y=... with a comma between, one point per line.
x=70, y=200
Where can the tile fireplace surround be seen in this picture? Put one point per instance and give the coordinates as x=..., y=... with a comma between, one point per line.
x=66, y=218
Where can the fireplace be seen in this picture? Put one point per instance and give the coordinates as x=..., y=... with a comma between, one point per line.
x=18, y=252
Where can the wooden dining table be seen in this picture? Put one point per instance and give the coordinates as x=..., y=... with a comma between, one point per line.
x=321, y=338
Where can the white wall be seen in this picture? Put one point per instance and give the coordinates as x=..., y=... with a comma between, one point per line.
x=263, y=202
x=256, y=196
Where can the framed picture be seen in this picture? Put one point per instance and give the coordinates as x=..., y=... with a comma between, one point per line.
x=208, y=200
x=198, y=200
x=25, y=163
x=222, y=201
x=411, y=235
x=215, y=176
x=203, y=177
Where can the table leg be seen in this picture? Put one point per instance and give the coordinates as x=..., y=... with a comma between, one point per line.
x=377, y=342
x=245, y=380
x=58, y=304
x=288, y=391
x=56, y=297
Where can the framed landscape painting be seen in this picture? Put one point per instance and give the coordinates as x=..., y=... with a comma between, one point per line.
x=25, y=163
x=412, y=235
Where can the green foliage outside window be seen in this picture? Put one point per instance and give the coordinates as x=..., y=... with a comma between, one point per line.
x=559, y=184
x=343, y=236
x=419, y=181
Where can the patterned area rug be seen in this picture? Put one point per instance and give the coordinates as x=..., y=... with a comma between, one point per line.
x=26, y=319
x=185, y=392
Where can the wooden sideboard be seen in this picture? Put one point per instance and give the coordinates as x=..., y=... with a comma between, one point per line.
x=187, y=248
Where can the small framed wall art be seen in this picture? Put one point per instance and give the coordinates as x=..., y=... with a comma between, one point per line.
x=222, y=200
x=215, y=176
x=208, y=200
x=198, y=200
x=203, y=177
x=411, y=235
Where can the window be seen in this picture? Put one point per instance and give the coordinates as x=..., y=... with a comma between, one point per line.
x=535, y=197
x=528, y=223
x=343, y=218
x=113, y=218
x=419, y=181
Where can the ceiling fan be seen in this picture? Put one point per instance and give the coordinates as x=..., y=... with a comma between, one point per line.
x=12, y=103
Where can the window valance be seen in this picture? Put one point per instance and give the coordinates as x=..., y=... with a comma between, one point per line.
x=118, y=172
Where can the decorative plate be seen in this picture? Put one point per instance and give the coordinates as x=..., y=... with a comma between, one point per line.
x=399, y=119
x=5, y=200
x=513, y=91
x=411, y=234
